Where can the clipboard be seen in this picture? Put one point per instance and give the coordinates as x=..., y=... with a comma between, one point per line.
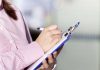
x=65, y=38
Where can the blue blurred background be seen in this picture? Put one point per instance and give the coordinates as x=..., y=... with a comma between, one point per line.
x=82, y=51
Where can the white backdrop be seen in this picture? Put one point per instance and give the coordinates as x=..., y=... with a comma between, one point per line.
x=80, y=53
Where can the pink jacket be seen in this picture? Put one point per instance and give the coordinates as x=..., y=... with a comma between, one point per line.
x=17, y=50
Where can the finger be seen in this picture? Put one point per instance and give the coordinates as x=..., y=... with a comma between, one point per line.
x=52, y=27
x=50, y=59
x=41, y=68
x=59, y=50
x=55, y=54
x=55, y=32
x=54, y=41
x=45, y=64
x=56, y=36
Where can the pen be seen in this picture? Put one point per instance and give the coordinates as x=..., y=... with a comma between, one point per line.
x=41, y=29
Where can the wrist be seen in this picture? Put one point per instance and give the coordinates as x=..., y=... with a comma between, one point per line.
x=41, y=46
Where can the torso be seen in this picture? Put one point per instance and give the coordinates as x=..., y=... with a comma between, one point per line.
x=16, y=30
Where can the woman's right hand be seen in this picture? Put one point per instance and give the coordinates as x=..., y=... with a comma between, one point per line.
x=49, y=37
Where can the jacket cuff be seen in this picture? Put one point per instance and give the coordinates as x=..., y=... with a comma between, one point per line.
x=31, y=53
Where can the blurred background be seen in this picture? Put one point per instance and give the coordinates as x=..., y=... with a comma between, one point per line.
x=82, y=52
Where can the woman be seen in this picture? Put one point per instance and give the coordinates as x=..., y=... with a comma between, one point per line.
x=17, y=51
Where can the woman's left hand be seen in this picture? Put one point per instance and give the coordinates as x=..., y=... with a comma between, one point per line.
x=49, y=64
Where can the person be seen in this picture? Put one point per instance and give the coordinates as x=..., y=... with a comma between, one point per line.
x=17, y=50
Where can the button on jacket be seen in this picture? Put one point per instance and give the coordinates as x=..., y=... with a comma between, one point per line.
x=17, y=50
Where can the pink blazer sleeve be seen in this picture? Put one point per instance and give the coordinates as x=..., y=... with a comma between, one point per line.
x=18, y=60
